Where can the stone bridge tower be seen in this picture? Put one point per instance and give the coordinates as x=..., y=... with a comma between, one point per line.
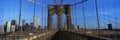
x=59, y=9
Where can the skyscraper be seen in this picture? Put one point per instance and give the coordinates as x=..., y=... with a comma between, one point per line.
x=16, y=24
x=5, y=26
x=109, y=26
x=23, y=25
x=12, y=29
x=23, y=22
x=31, y=27
x=38, y=22
x=8, y=27
x=33, y=21
x=4, y=23
x=13, y=22
x=27, y=27
x=2, y=31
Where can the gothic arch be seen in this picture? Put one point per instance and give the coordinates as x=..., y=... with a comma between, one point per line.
x=59, y=9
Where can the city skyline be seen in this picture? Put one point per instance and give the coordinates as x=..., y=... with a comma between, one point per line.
x=9, y=10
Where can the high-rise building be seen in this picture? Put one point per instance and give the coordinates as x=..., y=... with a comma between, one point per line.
x=16, y=24
x=33, y=21
x=13, y=22
x=109, y=26
x=4, y=23
x=8, y=27
x=12, y=29
x=38, y=22
x=26, y=28
x=5, y=26
x=2, y=31
x=23, y=25
x=31, y=27
x=24, y=22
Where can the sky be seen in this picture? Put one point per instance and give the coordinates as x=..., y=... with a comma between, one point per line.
x=107, y=9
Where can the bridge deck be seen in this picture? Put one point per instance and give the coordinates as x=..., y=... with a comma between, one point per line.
x=67, y=35
x=52, y=35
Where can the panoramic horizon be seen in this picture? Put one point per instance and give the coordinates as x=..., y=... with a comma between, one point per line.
x=107, y=9
x=59, y=19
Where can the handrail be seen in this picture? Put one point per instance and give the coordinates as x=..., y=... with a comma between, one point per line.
x=89, y=37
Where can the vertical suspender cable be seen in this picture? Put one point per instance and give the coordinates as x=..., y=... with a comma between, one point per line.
x=14, y=12
x=34, y=15
x=42, y=16
x=90, y=17
x=104, y=15
x=19, y=16
x=96, y=6
x=76, y=15
x=72, y=13
x=45, y=17
x=115, y=18
x=9, y=10
x=2, y=12
x=108, y=12
x=61, y=1
x=84, y=16
x=9, y=15
x=14, y=9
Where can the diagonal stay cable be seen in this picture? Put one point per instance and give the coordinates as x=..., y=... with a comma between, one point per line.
x=56, y=1
x=36, y=3
x=61, y=1
x=79, y=3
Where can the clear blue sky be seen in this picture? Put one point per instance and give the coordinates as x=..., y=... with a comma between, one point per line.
x=9, y=10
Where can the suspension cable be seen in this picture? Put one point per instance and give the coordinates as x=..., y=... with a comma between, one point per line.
x=75, y=13
x=42, y=16
x=61, y=1
x=90, y=16
x=14, y=9
x=9, y=10
x=108, y=10
x=78, y=3
x=103, y=11
x=96, y=5
x=56, y=1
x=115, y=18
x=109, y=13
x=84, y=16
x=45, y=18
x=105, y=19
x=20, y=9
x=36, y=3
x=2, y=12
x=34, y=13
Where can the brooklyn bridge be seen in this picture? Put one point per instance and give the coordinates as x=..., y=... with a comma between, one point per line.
x=59, y=20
